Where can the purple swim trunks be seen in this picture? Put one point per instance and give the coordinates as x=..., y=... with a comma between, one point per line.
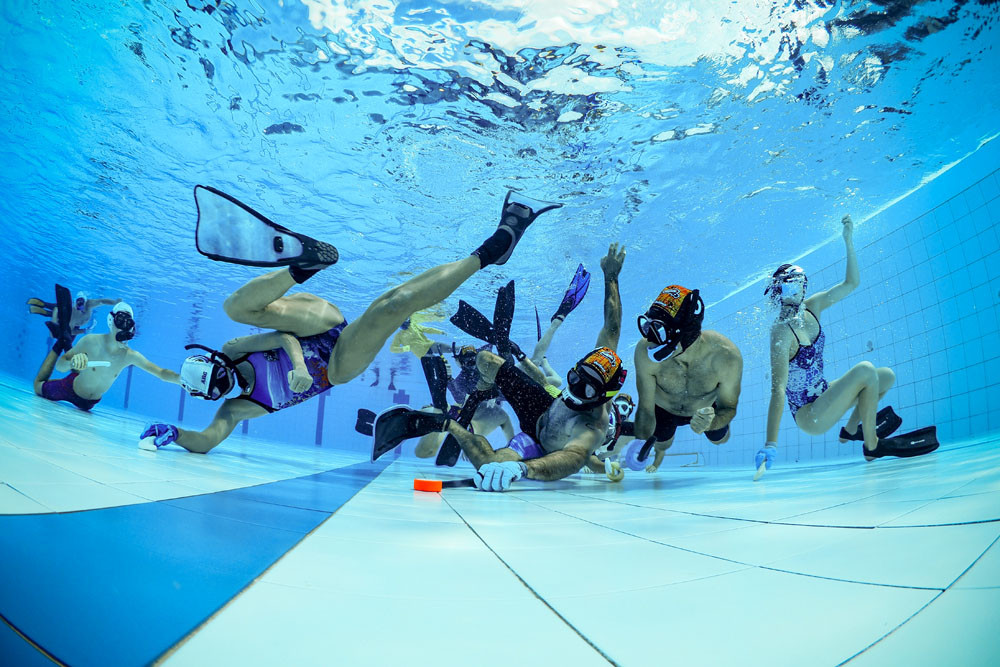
x=62, y=390
x=525, y=445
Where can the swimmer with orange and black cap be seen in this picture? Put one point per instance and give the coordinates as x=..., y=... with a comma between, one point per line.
x=693, y=377
x=560, y=430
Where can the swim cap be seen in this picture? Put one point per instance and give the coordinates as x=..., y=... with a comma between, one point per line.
x=785, y=273
x=594, y=380
x=81, y=296
x=210, y=377
x=673, y=318
x=122, y=320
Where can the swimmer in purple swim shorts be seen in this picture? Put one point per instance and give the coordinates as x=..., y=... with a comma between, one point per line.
x=311, y=347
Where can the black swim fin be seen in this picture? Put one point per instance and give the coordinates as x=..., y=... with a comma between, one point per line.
x=472, y=322
x=436, y=374
x=450, y=449
x=230, y=231
x=365, y=423
x=503, y=315
x=915, y=443
x=519, y=211
x=62, y=332
x=400, y=423
x=886, y=423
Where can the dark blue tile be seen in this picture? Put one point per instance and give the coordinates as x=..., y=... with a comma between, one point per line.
x=124, y=584
x=16, y=651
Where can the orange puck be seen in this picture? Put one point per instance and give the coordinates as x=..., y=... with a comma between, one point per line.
x=431, y=485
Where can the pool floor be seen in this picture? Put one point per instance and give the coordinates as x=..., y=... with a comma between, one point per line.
x=264, y=553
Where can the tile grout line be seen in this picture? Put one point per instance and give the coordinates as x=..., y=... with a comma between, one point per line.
x=529, y=587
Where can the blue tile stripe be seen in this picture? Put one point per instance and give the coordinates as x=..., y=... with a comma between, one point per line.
x=122, y=585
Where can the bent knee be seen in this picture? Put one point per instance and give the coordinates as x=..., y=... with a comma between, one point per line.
x=886, y=378
x=867, y=372
x=38, y=388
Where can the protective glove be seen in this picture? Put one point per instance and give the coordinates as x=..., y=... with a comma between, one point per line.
x=498, y=476
x=613, y=470
x=766, y=456
x=156, y=436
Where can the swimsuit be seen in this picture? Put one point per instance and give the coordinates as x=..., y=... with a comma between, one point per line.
x=805, y=372
x=667, y=423
x=270, y=387
x=62, y=390
x=527, y=398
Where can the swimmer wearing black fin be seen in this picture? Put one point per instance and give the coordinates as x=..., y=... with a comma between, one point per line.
x=311, y=346
x=560, y=430
x=94, y=363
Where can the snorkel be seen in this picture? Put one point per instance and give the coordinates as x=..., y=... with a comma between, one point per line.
x=121, y=322
x=212, y=377
x=674, y=319
x=788, y=289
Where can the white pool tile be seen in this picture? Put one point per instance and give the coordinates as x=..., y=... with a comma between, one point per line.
x=958, y=628
x=13, y=501
x=749, y=617
x=986, y=571
x=922, y=557
x=320, y=627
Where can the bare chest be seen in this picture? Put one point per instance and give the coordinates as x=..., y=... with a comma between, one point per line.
x=682, y=389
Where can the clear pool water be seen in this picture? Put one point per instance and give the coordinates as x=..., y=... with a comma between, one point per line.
x=716, y=140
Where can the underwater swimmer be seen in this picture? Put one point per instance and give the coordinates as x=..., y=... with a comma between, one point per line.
x=693, y=378
x=311, y=347
x=559, y=430
x=797, y=342
x=95, y=363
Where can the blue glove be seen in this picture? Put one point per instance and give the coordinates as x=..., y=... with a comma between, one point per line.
x=498, y=476
x=765, y=455
x=156, y=436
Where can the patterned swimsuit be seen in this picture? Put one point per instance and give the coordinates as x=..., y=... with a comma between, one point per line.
x=270, y=387
x=805, y=372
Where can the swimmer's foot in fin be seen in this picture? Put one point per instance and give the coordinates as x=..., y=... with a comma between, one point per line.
x=401, y=423
x=886, y=423
x=62, y=331
x=574, y=294
x=503, y=315
x=436, y=374
x=518, y=213
x=230, y=231
x=472, y=322
x=915, y=443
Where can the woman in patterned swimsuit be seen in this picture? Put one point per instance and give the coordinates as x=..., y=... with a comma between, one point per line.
x=797, y=341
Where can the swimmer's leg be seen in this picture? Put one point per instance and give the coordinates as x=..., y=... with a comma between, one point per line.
x=45, y=371
x=478, y=448
x=429, y=444
x=886, y=378
x=262, y=303
x=229, y=415
x=858, y=388
x=362, y=339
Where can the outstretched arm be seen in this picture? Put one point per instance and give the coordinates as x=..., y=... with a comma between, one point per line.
x=565, y=462
x=730, y=386
x=823, y=300
x=645, y=382
x=779, y=378
x=230, y=413
x=136, y=358
x=611, y=264
x=94, y=303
